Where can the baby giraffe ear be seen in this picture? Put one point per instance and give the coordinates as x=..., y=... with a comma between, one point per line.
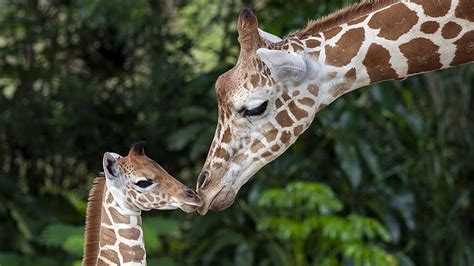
x=286, y=67
x=110, y=166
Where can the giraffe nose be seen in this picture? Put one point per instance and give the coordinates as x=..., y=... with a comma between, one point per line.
x=190, y=193
x=202, y=179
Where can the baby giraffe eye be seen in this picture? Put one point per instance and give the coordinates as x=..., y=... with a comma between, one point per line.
x=144, y=183
x=255, y=111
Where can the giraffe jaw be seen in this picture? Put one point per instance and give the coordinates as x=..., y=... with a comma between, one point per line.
x=224, y=196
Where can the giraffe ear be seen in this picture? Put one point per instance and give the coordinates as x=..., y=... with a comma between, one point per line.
x=269, y=37
x=286, y=67
x=109, y=164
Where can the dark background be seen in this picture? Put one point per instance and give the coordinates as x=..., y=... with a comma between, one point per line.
x=384, y=176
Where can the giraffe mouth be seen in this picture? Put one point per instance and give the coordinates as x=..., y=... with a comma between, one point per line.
x=188, y=208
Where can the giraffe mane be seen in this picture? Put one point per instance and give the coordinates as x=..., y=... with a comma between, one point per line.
x=342, y=16
x=93, y=218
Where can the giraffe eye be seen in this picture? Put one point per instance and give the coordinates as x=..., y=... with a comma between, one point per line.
x=144, y=183
x=255, y=111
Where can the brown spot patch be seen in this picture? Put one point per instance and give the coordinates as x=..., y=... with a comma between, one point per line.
x=339, y=89
x=283, y=119
x=131, y=253
x=332, y=32
x=450, y=30
x=227, y=136
x=271, y=133
x=101, y=262
x=110, y=255
x=313, y=89
x=254, y=78
x=422, y=55
x=110, y=198
x=377, y=63
x=130, y=233
x=285, y=137
x=350, y=75
x=297, y=131
x=306, y=101
x=239, y=158
x=256, y=145
x=275, y=147
x=464, y=49
x=429, y=27
x=296, y=47
x=312, y=43
x=394, y=21
x=133, y=193
x=295, y=93
x=118, y=218
x=142, y=200
x=149, y=197
x=107, y=236
x=278, y=103
x=434, y=8
x=222, y=153
x=465, y=10
x=296, y=111
x=105, y=217
x=331, y=75
x=285, y=97
x=345, y=49
x=266, y=154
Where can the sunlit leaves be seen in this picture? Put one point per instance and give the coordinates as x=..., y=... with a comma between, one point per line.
x=299, y=197
x=303, y=212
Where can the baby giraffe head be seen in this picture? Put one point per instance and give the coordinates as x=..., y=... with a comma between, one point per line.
x=140, y=184
x=262, y=110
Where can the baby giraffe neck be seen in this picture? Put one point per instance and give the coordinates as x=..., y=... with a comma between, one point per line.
x=121, y=236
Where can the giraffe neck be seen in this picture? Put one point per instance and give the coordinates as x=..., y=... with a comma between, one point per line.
x=121, y=236
x=396, y=41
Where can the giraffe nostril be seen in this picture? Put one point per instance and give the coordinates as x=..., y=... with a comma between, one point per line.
x=202, y=179
x=190, y=193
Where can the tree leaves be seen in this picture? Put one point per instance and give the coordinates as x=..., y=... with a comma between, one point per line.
x=305, y=210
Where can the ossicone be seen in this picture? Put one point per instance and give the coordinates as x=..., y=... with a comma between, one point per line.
x=138, y=148
x=247, y=27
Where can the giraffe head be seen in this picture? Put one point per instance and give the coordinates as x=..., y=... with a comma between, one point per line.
x=258, y=114
x=141, y=184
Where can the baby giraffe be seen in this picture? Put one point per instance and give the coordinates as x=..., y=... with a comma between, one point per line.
x=130, y=184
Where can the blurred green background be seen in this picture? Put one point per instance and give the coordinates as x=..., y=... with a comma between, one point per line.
x=384, y=176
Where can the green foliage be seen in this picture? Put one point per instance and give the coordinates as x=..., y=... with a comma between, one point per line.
x=303, y=213
x=68, y=238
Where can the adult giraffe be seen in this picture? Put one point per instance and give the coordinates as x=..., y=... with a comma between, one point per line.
x=130, y=185
x=277, y=86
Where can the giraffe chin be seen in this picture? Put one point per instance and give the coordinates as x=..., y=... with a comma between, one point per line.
x=221, y=201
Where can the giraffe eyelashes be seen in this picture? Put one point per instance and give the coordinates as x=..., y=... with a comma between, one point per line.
x=144, y=183
x=254, y=111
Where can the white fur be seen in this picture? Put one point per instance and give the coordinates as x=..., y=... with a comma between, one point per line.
x=287, y=67
x=269, y=37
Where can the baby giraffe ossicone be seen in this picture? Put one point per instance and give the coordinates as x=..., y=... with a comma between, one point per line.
x=129, y=185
